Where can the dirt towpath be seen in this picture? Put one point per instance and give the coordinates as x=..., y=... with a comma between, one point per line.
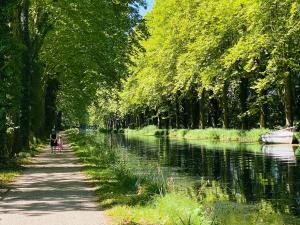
x=52, y=191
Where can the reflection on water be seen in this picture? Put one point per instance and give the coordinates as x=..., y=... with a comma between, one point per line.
x=252, y=171
x=285, y=153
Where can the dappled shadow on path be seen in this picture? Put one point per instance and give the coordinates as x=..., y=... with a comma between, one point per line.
x=53, y=183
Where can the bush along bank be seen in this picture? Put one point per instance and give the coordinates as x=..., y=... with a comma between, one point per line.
x=139, y=198
x=216, y=134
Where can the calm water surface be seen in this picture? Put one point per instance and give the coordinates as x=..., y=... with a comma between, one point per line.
x=250, y=172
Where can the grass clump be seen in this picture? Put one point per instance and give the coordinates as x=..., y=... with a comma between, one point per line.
x=150, y=130
x=215, y=134
x=169, y=209
x=225, y=135
x=7, y=176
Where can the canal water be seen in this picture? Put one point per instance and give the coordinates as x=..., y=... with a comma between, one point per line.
x=244, y=172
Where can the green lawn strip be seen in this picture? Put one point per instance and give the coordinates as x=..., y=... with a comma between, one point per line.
x=217, y=134
x=132, y=199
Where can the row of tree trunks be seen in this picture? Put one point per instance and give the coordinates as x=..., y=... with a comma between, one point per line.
x=207, y=111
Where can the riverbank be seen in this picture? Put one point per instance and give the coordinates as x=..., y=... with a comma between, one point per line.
x=132, y=196
x=215, y=134
x=13, y=167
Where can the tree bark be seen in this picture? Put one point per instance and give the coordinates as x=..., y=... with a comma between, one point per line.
x=225, y=105
x=3, y=127
x=262, y=118
x=37, y=103
x=25, y=76
x=177, y=112
x=244, y=102
x=202, y=110
x=288, y=100
x=50, y=104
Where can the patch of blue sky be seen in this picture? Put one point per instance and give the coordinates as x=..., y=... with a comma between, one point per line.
x=149, y=7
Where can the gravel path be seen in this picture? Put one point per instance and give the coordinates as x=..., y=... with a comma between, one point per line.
x=52, y=191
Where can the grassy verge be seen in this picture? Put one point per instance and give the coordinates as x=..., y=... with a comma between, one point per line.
x=217, y=134
x=150, y=130
x=13, y=167
x=135, y=197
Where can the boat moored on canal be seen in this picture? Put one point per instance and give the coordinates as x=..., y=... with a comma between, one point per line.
x=284, y=136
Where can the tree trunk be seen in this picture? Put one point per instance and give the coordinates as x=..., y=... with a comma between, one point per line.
x=202, y=110
x=2, y=111
x=244, y=102
x=158, y=121
x=59, y=121
x=288, y=100
x=215, y=112
x=177, y=112
x=25, y=76
x=37, y=103
x=50, y=104
x=262, y=118
x=225, y=105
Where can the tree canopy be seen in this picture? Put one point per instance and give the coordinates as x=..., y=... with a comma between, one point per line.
x=186, y=64
x=206, y=60
x=55, y=57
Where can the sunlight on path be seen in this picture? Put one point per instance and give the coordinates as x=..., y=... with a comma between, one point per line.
x=52, y=191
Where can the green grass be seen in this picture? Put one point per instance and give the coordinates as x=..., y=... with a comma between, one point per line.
x=217, y=134
x=7, y=176
x=169, y=209
x=226, y=135
x=132, y=197
x=150, y=130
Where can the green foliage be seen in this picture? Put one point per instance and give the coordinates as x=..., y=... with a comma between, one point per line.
x=88, y=51
x=168, y=210
x=235, y=60
x=72, y=132
x=150, y=130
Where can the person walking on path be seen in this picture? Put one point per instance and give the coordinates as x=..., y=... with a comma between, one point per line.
x=60, y=143
x=53, y=141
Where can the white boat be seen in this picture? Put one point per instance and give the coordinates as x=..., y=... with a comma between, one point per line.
x=278, y=137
